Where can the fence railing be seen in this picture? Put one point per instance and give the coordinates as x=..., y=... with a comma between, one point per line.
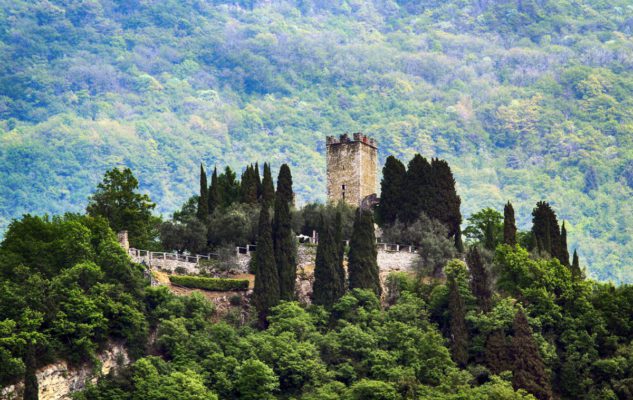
x=161, y=255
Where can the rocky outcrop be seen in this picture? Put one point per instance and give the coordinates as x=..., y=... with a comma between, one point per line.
x=59, y=380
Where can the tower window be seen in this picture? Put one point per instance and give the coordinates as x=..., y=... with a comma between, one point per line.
x=343, y=191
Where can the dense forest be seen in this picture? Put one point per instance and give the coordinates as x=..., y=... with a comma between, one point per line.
x=493, y=312
x=527, y=100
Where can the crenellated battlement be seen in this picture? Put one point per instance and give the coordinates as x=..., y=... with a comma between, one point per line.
x=356, y=137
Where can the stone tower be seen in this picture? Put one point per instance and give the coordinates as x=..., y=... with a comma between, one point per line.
x=352, y=165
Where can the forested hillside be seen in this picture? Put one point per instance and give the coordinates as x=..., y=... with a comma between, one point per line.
x=528, y=100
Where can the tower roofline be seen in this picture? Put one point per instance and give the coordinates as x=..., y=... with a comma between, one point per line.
x=356, y=137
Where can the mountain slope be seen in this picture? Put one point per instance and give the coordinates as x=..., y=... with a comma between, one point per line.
x=528, y=100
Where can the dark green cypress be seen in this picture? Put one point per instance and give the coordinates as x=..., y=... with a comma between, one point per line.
x=509, y=225
x=489, y=236
x=268, y=187
x=575, y=266
x=258, y=180
x=327, y=288
x=443, y=201
x=228, y=186
x=31, y=385
x=528, y=368
x=480, y=282
x=362, y=267
x=203, y=199
x=391, y=190
x=459, y=243
x=564, y=256
x=459, y=332
x=545, y=228
x=417, y=188
x=249, y=185
x=496, y=353
x=214, y=192
x=266, y=290
x=283, y=238
x=340, y=245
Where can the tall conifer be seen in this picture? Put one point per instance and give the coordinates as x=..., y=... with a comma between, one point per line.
x=496, y=353
x=528, y=368
x=268, y=187
x=443, y=203
x=480, y=282
x=214, y=192
x=266, y=290
x=564, y=251
x=545, y=228
x=203, y=199
x=575, y=266
x=489, y=236
x=459, y=332
x=283, y=238
x=509, y=225
x=362, y=263
x=327, y=288
x=417, y=187
x=249, y=185
x=391, y=190
x=340, y=248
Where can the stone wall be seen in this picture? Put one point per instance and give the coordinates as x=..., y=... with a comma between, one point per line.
x=58, y=381
x=396, y=260
x=352, y=164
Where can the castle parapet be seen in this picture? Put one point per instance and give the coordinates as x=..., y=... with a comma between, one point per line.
x=356, y=137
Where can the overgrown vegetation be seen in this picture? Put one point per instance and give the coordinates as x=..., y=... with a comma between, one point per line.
x=527, y=100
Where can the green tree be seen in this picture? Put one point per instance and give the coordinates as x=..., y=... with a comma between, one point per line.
x=363, y=266
x=575, y=266
x=509, y=225
x=116, y=199
x=203, y=198
x=497, y=356
x=546, y=230
x=249, y=185
x=564, y=255
x=266, y=291
x=444, y=203
x=283, y=237
x=268, y=188
x=480, y=282
x=214, y=192
x=459, y=331
x=417, y=187
x=228, y=187
x=340, y=249
x=485, y=226
x=528, y=369
x=391, y=190
x=256, y=381
x=327, y=287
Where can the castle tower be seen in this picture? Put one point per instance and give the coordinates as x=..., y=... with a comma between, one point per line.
x=352, y=165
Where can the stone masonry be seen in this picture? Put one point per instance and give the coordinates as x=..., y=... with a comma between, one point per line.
x=352, y=165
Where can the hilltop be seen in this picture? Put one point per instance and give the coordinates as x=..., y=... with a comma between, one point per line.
x=527, y=100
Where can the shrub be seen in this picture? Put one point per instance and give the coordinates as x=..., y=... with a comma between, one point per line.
x=217, y=284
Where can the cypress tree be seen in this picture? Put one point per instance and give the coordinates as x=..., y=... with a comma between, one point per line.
x=214, y=192
x=258, y=180
x=489, y=236
x=459, y=332
x=362, y=263
x=575, y=266
x=545, y=228
x=283, y=238
x=563, y=246
x=228, y=187
x=459, y=243
x=509, y=225
x=249, y=186
x=327, y=288
x=340, y=246
x=266, y=290
x=417, y=187
x=391, y=190
x=268, y=188
x=443, y=201
x=480, y=282
x=203, y=199
x=31, y=385
x=496, y=353
x=528, y=368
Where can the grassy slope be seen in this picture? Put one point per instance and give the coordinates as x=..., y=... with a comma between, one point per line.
x=527, y=103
